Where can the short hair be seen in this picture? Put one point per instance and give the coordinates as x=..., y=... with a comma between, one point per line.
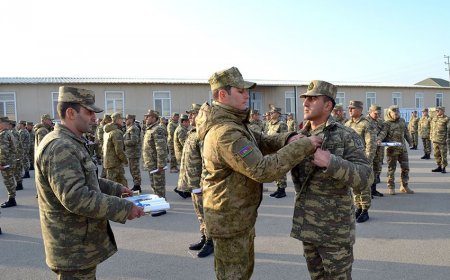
x=216, y=92
x=61, y=108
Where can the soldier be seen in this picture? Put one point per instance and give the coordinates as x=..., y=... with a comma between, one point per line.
x=291, y=123
x=7, y=161
x=377, y=126
x=338, y=114
x=114, y=157
x=99, y=133
x=440, y=136
x=413, y=128
x=255, y=123
x=171, y=126
x=424, y=132
x=18, y=166
x=278, y=126
x=235, y=168
x=324, y=217
x=163, y=122
x=75, y=205
x=180, y=135
x=31, y=148
x=266, y=120
x=395, y=130
x=132, y=142
x=24, y=138
x=190, y=181
x=154, y=153
x=41, y=129
x=362, y=127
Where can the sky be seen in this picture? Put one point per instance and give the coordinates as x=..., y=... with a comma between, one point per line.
x=383, y=41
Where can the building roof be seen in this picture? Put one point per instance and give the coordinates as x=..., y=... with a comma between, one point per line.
x=434, y=82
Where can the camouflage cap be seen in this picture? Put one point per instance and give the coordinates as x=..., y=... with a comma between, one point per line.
x=425, y=110
x=317, y=88
x=374, y=108
x=394, y=108
x=23, y=122
x=184, y=117
x=13, y=122
x=338, y=107
x=229, y=77
x=195, y=108
x=116, y=116
x=440, y=108
x=152, y=113
x=84, y=97
x=355, y=104
x=290, y=114
x=174, y=114
x=254, y=112
x=4, y=119
x=30, y=123
x=275, y=110
x=46, y=117
x=129, y=116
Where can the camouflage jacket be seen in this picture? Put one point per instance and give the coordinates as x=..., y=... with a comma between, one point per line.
x=277, y=127
x=179, y=137
x=191, y=163
x=132, y=141
x=40, y=130
x=154, y=148
x=7, y=148
x=99, y=135
x=32, y=137
x=237, y=162
x=324, y=208
x=292, y=125
x=257, y=126
x=74, y=205
x=440, y=130
x=364, y=129
x=171, y=127
x=395, y=131
x=425, y=127
x=113, y=148
x=377, y=125
x=413, y=125
x=19, y=147
x=24, y=138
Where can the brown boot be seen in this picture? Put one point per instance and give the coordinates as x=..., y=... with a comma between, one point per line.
x=406, y=189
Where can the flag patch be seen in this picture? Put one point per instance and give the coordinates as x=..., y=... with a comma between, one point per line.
x=245, y=151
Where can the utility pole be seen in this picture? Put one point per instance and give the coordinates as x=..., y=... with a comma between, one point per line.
x=448, y=67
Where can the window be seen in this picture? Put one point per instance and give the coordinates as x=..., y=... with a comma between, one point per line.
x=340, y=98
x=397, y=99
x=419, y=100
x=114, y=102
x=54, y=103
x=371, y=98
x=289, y=102
x=162, y=103
x=439, y=97
x=8, y=105
x=256, y=101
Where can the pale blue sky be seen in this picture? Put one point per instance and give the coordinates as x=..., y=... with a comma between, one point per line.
x=400, y=42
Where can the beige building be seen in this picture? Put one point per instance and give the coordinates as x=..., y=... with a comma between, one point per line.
x=29, y=98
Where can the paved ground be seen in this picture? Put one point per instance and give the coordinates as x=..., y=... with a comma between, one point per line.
x=407, y=237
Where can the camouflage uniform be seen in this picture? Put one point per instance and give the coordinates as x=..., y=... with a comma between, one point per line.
x=424, y=133
x=377, y=126
x=18, y=167
x=413, y=128
x=155, y=155
x=276, y=127
x=179, y=137
x=339, y=118
x=114, y=157
x=396, y=131
x=324, y=217
x=31, y=147
x=40, y=130
x=24, y=138
x=292, y=125
x=440, y=136
x=257, y=125
x=171, y=127
x=237, y=161
x=8, y=157
x=132, y=141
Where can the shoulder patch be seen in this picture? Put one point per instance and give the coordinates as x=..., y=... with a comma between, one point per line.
x=245, y=151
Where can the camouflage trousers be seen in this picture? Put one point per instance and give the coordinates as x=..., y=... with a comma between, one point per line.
x=440, y=154
x=377, y=161
x=31, y=157
x=426, y=145
x=234, y=258
x=135, y=170
x=281, y=183
x=328, y=263
x=26, y=163
x=10, y=183
x=173, y=159
x=116, y=174
x=158, y=183
x=18, y=170
x=85, y=274
x=415, y=138
x=103, y=173
x=197, y=201
x=395, y=154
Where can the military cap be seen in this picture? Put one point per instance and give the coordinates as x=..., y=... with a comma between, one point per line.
x=394, y=108
x=317, y=88
x=23, y=122
x=355, y=104
x=254, y=112
x=440, y=108
x=374, y=108
x=13, y=122
x=174, y=114
x=116, y=116
x=152, y=113
x=129, y=116
x=195, y=108
x=338, y=107
x=275, y=109
x=106, y=116
x=46, y=117
x=4, y=119
x=229, y=77
x=84, y=97
x=184, y=117
x=290, y=114
x=30, y=123
x=425, y=110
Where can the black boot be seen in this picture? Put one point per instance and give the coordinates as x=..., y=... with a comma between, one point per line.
x=275, y=193
x=281, y=193
x=207, y=249
x=26, y=175
x=374, y=192
x=358, y=212
x=31, y=167
x=180, y=193
x=377, y=179
x=428, y=156
x=438, y=169
x=443, y=170
x=136, y=188
x=424, y=156
x=158, y=213
x=10, y=203
x=19, y=186
x=363, y=217
x=197, y=246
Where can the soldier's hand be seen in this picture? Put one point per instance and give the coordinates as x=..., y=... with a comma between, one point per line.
x=322, y=158
x=136, y=212
x=294, y=138
x=316, y=141
x=126, y=192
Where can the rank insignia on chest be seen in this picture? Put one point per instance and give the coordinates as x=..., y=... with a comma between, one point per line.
x=245, y=151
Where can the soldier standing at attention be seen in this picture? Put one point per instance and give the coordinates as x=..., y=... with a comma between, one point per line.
x=100, y=140
x=154, y=152
x=255, y=123
x=7, y=161
x=362, y=127
x=24, y=137
x=132, y=142
x=324, y=217
x=180, y=135
x=41, y=129
x=114, y=157
x=377, y=125
x=31, y=147
x=440, y=136
x=395, y=130
x=191, y=168
x=18, y=166
x=171, y=127
x=235, y=169
x=413, y=128
x=424, y=132
x=338, y=114
x=291, y=123
x=278, y=126
x=75, y=205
